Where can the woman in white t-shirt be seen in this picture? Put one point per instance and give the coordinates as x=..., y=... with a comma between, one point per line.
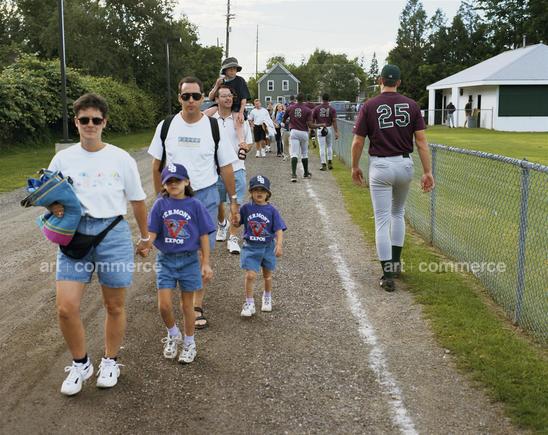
x=104, y=178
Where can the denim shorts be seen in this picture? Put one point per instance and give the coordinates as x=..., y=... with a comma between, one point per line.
x=209, y=197
x=255, y=256
x=182, y=269
x=112, y=259
x=241, y=186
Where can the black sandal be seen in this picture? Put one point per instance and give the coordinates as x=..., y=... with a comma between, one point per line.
x=200, y=318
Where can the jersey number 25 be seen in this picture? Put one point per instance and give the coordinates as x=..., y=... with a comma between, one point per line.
x=401, y=115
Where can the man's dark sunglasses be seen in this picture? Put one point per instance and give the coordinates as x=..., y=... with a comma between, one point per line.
x=84, y=120
x=195, y=95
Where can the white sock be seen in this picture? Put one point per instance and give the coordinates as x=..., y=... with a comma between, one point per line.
x=189, y=339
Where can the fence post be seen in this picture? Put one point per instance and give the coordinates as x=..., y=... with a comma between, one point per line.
x=521, y=243
x=433, y=197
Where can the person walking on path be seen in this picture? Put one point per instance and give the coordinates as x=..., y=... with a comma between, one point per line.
x=300, y=121
x=277, y=117
x=327, y=115
x=225, y=118
x=179, y=225
x=190, y=142
x=104, y=178
x=390, y=120
x=263, y=237
x=258, y=118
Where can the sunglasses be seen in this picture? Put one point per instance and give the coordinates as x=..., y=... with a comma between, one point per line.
x=195, y=95
x=84, y=120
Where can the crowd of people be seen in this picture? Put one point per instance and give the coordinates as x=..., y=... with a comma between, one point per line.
x=198, y=170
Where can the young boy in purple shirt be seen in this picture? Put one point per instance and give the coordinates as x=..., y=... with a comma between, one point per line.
x=263, y=237
x=179, y=226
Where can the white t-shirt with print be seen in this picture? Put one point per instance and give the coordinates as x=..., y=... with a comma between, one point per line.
x=228, y=131
x=259, y=116
x=104, y=180
x=192, y=146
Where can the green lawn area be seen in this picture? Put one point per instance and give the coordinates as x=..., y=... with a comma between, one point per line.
x=22, y=161
x=532, y=146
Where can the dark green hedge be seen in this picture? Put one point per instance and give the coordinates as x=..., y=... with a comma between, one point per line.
x=30, y=102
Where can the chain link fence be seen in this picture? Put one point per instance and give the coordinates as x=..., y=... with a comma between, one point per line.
x=489, y=213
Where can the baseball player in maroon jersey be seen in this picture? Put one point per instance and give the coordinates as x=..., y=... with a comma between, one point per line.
x=327, y=115
x=300, y=120
x=391, y=121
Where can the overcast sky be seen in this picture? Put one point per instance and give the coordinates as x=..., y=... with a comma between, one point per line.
x=295, y=28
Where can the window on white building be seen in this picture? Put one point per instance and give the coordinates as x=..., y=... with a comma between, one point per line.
x=270, y=85
x=280, y=99
x=285, y=85
x=268, y=99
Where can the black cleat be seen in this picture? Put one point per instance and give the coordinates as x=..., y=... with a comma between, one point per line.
x=387, y=284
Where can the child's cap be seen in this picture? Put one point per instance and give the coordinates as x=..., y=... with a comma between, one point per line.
x=260, y=181
x=174, y=170
x=230, y=62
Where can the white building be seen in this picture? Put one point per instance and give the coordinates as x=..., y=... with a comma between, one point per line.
x=510, y=90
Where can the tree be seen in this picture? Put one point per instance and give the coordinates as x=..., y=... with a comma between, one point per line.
x=11, y=37
x=274, y=60
x=508, y=21
x=373, y=70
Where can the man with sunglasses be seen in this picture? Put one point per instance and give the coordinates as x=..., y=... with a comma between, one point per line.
x=190, y=142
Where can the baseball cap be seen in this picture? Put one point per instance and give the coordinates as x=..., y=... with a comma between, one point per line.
x=391, y=72
x=174, y=170
x=230, y=62
x=260, y=181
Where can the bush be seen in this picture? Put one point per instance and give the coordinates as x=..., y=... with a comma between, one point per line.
x=31, y=108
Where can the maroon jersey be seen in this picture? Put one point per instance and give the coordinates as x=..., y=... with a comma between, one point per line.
x=324, y=114
x=298, y=115
x=389, y=120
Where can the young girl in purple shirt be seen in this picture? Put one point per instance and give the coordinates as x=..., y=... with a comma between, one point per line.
x=179, y=226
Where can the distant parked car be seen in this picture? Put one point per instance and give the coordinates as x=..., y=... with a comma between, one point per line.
x=342, y=107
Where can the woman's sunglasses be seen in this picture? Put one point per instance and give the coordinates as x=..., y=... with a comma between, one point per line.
x=195, y=95
x=84, y=120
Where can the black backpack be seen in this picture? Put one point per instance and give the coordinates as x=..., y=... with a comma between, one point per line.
x=214, y=132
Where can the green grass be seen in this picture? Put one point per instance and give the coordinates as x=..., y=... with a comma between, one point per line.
x=22, y=161
x=513, y=369
x=532, y=146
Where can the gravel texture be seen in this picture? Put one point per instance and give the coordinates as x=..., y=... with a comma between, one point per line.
x=304, y=368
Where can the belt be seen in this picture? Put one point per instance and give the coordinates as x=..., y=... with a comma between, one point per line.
x=404, y=155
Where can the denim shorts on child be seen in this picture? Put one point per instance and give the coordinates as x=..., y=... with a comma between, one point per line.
x=255, y=256
x=209, y=197
x=182, y=268
x=241, y=187
x=112, y=259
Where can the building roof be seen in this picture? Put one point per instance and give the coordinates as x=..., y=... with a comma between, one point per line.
x=522, y=66
x=273, y=68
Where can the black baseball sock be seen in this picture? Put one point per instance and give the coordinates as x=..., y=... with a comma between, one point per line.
x=294, y=161
x=396, y=253
x=305, y=165
x=387, y=269
x=82, y=360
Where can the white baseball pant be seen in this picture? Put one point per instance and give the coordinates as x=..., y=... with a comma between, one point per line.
x=299, y=143
x=389, y=181
x=323, y=141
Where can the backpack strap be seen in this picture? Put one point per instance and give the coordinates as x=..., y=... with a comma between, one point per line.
x=216, y=138
x=163, y=136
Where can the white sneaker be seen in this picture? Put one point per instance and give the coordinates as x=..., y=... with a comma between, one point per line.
x=109, y=371
x=221, y=232
x=248, y=310
x=170, y=345
x=263, y=153
x=78, y=374
x=233, y=245
x=267, y=148
x=188, y=354
x=258, y=154
x=267, y=305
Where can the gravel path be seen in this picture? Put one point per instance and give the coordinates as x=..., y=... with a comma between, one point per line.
x=337, y=355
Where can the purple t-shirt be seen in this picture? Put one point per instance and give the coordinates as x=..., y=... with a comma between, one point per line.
x=298, y=115
x=390, y=120
x=178, y=224
x=324, y=114
x=260, y=222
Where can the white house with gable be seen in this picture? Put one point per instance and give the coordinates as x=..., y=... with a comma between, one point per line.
x=510, y=90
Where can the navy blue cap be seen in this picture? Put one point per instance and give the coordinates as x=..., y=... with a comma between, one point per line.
x=174, y=170
x=259, y=181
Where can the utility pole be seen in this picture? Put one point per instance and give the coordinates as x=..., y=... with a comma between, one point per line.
x=63, y=72
x=229, y=16
x=257, y=54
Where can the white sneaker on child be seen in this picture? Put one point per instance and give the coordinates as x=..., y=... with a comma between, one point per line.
x=78, y=374
x=109, y=371
x=248, y=310
x=233, y=245
x=170, y=345
x=258, y=154
x=263, y=153
x=267, y=304
x=188, y=354
x=221, y=231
